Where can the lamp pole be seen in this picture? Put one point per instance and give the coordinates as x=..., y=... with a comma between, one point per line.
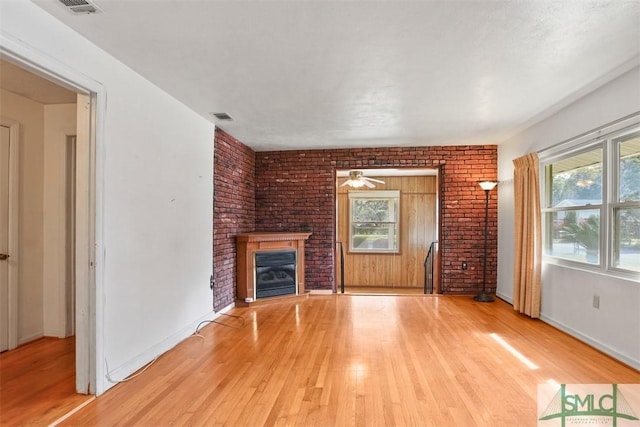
x=483, y=296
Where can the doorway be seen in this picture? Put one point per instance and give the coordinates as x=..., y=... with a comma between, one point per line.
x=56, y=186
x=384, y=230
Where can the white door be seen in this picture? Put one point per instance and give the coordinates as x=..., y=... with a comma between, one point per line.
x=4, y=237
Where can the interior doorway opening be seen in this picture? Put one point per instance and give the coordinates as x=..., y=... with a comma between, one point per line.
x=58, y=170
x=385, y=229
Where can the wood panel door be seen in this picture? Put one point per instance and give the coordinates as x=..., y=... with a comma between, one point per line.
x=418, y=228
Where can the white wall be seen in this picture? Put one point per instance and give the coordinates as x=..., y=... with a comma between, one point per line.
x=567, y=293
x=155, y=174
x=30, y=115
x=59, y=122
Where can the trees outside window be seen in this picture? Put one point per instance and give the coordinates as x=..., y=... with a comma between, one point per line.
x=626, y=205
x=373, y=221
x=591, y=206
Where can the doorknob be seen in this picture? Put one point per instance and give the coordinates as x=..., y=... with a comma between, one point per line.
x=3, y=257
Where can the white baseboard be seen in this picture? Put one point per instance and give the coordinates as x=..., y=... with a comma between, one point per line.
x=115, y=375
x=504, y=297
x=582, y=337
x=592, y=342
x=29, y=338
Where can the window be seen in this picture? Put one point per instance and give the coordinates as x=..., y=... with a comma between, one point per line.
x=373, y=221
x=626, y=204
x=574, y=203
x=591, y=203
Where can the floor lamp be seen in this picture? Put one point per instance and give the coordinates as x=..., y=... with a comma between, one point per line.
x=487, y=186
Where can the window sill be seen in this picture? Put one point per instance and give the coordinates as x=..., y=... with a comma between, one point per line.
x=595, y=269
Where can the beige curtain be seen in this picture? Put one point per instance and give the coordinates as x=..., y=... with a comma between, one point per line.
x=528, y=236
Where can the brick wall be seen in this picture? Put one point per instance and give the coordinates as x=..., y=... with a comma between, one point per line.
x=233, y=210
x=295, y=192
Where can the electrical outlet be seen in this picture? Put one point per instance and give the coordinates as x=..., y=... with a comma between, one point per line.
x=596, y=301
x=464, y=265
x=211, y=282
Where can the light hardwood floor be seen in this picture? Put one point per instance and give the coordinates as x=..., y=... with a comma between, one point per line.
x=343, y=360
x=37, y=382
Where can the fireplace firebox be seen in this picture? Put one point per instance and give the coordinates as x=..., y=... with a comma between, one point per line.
x=275, y=273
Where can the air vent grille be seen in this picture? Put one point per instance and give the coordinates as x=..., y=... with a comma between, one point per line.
x=79, y=6
x=222, y=116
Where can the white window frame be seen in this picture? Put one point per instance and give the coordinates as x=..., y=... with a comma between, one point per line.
x=605, y=138
x=393, y=196
x=615, y=196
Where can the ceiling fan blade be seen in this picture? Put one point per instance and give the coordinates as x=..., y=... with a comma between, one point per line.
x=373, y=179
x=367, y=183
x=346, y=182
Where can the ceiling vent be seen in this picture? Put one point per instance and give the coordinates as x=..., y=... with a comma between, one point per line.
x=222, y=116
x=80, y=6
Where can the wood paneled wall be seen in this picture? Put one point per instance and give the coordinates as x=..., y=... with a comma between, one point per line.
x=418, y=228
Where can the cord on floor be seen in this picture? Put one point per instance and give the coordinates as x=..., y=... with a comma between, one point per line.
x=195, y=334
x=223, y=324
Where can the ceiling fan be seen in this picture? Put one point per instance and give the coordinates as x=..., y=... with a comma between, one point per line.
x=357, y=179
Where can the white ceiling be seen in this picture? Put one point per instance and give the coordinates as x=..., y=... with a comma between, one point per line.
x=17, y=80
x=311, y=74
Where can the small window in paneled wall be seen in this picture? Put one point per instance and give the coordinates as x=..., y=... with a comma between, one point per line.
x=374, y=221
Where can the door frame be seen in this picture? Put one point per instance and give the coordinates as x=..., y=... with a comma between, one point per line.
x=66, y=314
x=382, y=170
x=89, y=189
x=13, y=247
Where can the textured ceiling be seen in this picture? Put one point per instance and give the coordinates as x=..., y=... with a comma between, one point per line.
x=353, y=74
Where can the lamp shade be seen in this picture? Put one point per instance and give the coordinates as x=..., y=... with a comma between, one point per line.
x=487, y=185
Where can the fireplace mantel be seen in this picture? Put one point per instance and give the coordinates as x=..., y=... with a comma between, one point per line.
x=274, y=236
x=250, y=243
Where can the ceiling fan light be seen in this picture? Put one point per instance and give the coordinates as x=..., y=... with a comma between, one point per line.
x=357, y=180
x=355, y=175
